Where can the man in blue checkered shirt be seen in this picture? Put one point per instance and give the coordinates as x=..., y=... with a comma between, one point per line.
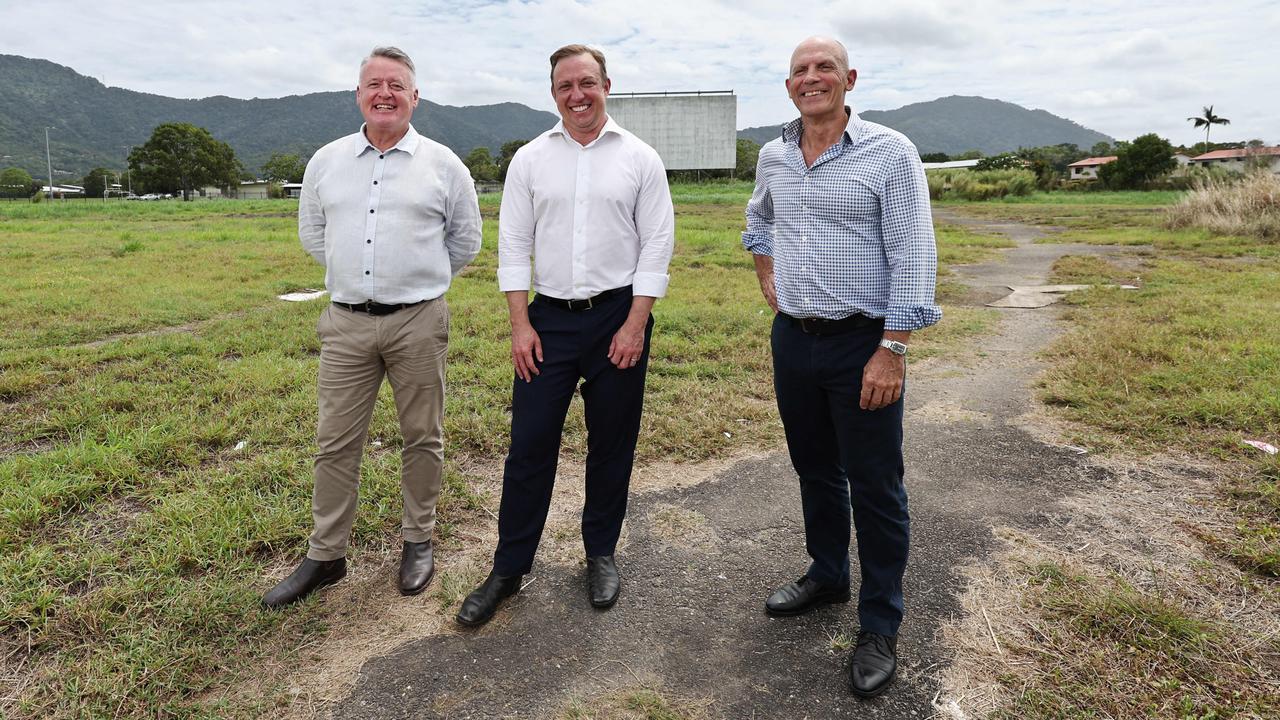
x=841, y=231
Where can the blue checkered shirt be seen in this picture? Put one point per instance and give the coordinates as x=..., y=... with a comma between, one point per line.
x=853, y=233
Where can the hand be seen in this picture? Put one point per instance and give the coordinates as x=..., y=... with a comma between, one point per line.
x=769, y=290
x=627, y=345
x=882, y=380
x=526, y=346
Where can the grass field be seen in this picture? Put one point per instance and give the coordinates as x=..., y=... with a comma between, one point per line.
x=1188, y=364
x=159, y=409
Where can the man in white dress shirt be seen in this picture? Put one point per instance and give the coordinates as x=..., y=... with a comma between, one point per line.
x=587, y=210
x=393, y=217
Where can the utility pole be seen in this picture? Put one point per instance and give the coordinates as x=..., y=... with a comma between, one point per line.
x=47, y=161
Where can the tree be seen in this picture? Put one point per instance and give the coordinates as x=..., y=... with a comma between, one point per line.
x=96, y=182
x=507, y=152
x=16, y=183
x=1003, y=161
x=748, y=153
x=968, y=155
x=934, y=157
x=183, y=157
x=1138, y=163
x=481, y=164
x=1101, y=149
x=282, y=168
x=1208, y=120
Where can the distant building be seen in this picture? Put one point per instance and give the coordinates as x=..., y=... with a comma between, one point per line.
x=251, y=190
x=1087, y=169
x=690, y=130
x=291, y=190
x=1241, y=159
x=952, y=164
x=62, y=191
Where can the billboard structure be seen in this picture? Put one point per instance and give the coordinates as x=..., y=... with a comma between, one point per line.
x=694, y=130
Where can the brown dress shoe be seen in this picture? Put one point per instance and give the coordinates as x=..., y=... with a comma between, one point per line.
x=417, y=567
x=310, y=576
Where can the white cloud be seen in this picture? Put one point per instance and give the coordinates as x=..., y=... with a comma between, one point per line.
x=1122, y=68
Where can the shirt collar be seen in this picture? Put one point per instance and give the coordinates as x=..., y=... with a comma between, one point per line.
x=408, y=143
x=609, y=127
x=791, y=131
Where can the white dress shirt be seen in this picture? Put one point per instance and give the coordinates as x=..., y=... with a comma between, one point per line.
x=391, y=227
x=586, y=218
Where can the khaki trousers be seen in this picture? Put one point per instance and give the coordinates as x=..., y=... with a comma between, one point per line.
x=356, y=351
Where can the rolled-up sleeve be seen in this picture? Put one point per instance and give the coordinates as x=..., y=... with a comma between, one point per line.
x=758, y=237
x=656, y=227
x=516, y=225
x=910, y=247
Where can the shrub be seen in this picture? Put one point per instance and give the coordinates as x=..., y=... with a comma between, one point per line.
x=979, y=184
x=1250, y=206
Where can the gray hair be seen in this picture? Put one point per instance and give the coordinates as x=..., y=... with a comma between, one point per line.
x=392, y=53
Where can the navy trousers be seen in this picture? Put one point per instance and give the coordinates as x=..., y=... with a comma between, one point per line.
x=848, y=459
x=575, y=345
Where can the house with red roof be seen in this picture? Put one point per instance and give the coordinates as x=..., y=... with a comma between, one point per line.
x=1241, y=159
x=1087, y=169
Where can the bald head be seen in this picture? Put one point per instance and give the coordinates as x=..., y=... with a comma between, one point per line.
x=825, y=44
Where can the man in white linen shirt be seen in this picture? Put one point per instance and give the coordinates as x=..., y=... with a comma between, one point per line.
x=393, y=217
x=587, y=202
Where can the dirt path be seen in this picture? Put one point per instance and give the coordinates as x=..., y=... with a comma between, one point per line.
x=702, y=551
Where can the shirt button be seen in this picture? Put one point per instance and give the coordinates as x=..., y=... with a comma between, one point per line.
x=369, y=241
x=366, y=272
x=375, y=182
x=381, y=156
x=370, y=211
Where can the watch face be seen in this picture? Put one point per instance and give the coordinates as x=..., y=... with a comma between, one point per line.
x=894, y=347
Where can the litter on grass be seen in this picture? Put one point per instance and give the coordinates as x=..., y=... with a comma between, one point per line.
x=303, y=295
x=1265, y=447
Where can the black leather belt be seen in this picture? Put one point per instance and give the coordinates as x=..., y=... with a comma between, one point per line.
x=585, y=304
x=373, y=308
x=823, y=326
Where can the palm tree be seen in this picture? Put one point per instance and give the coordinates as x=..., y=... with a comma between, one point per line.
x=1207, y=121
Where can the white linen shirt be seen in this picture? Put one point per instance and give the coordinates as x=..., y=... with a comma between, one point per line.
x=391, y=227
x=586, y=218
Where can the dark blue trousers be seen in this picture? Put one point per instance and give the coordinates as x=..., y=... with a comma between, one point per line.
x=575, y=345
x=847, y=459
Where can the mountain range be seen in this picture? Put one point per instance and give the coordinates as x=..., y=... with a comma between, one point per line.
x=94, y=125
x=958, y=123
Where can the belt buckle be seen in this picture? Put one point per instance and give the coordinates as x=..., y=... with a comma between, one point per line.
x=811, y=326
x=587, y=307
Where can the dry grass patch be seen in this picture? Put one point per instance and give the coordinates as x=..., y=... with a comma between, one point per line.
x=643, y=703
x=1117, y=611
x=1232, y=207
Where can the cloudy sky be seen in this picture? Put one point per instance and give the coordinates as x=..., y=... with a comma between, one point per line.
x=1119, y=67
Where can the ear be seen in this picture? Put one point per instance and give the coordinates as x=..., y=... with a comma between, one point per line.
x=415, y=97
x=853, y=78
x=607, y=84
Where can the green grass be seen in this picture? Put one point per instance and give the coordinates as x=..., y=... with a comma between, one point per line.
x=144, y=344
x=1107, y=649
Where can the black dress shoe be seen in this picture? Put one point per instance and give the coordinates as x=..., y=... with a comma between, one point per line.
x=873, y=664
x=417, y=567
x=482, y=603
x=803, y=595
x=603, y=582
x=310, y=576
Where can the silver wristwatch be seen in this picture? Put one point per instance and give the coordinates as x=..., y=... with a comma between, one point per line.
x=893, y=346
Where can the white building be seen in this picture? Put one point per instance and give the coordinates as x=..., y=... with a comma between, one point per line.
x=1241, y=159
x=1087, y=169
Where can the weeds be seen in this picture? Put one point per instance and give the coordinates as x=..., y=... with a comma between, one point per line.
x=1250, y=207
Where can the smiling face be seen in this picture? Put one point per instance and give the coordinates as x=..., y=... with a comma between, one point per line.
x=387, y=95
x=580, y=90
x=819, y=78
